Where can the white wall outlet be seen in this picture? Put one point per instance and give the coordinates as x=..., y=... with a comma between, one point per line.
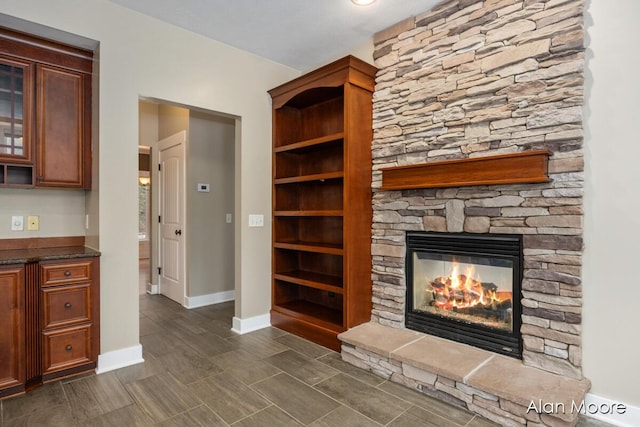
x=256, y=220
x=17, y=223
x=229, y=218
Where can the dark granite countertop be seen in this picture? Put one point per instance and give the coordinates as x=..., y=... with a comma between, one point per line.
x=22, y=256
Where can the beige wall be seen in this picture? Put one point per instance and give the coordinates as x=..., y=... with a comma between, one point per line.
x=364, y=52
x=61, y=212
x=141, y=57
x=171, y=120
x=612, y=202
x=210, y=240
x=148, y=123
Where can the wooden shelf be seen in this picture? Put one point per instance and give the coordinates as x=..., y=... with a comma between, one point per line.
x=308, y=213
x=327, y=195
x=310, y=143
x=308, y=178
x=321, y=248
x=524, y=167
x=309, y=279
x=20, y=176
x=313, y=313
x=15, y=120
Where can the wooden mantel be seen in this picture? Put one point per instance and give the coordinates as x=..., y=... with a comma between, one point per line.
x=516, y=168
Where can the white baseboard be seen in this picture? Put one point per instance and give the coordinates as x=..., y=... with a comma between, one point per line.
x=243, y=326
x=119, y=359
x=600, y=409
x=152, y=289
x=203, y=300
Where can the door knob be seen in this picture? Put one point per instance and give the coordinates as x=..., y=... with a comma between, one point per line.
x=178, y=232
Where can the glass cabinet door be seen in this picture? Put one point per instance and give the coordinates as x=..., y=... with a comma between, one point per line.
x=16, y=94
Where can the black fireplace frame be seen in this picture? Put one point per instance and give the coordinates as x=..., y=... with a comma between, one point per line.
x=501, y=246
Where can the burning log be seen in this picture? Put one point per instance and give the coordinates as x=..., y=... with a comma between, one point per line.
x=489, y=287
x=460, y=291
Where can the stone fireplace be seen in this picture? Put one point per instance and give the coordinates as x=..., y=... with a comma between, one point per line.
x=467, y=80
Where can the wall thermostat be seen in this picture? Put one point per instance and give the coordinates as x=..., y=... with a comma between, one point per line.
x=203, y=188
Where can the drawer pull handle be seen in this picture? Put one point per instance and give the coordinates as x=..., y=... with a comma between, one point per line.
x=67, y=273
x=68, y=347
x=67, y=305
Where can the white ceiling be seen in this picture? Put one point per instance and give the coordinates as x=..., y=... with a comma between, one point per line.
x=301, y=34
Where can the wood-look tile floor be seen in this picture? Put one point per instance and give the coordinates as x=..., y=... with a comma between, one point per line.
x=199, y=373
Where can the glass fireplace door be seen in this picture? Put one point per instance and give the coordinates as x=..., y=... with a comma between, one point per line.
x=472, y=289
x=466, y=287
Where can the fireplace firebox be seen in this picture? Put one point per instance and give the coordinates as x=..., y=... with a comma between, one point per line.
x=466, y=287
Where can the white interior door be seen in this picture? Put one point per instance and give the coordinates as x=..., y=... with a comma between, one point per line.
x=171, y=196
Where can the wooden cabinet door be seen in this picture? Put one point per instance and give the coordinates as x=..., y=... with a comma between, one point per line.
x=12, y=332
x=61, y=125
x=16, y=95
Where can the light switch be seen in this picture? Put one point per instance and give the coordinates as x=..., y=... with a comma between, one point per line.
x=17, y=223
x=229, y=218
x=33, y=223
x=256, y=220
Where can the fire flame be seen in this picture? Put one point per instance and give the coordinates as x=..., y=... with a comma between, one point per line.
x=466, y=290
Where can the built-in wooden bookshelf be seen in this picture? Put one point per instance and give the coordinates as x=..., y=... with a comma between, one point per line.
x=322, y=131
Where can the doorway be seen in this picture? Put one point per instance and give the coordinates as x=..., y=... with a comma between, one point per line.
x=209, y=198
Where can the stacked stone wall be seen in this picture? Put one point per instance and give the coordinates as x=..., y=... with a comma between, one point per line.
x=476, y=78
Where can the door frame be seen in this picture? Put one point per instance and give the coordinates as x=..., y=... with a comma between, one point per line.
x=153, y=287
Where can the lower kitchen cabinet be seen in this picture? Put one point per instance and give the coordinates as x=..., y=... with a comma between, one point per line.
x=66, y=348
x=69, y=296
x=49, y=312
x=12, y=331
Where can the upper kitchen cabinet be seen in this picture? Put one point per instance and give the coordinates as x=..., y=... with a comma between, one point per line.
x=16, y=95
x=62, y=128
x=45, y=113
x=16, y=112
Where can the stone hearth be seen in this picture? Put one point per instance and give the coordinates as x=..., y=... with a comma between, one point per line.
x=475, y=78
x=496, y=387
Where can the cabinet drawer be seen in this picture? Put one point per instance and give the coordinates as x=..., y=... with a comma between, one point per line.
x=66, y=348
x=71, y=272
x=65, y=306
